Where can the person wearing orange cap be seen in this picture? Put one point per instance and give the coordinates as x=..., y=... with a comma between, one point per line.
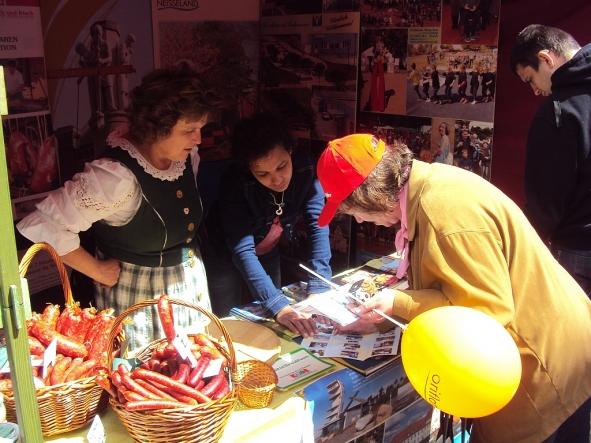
x=463, y=242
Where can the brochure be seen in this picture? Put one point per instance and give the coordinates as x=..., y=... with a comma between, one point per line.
x=382, y=407
x=331, y=304
x=298, y=366
x=354, y=346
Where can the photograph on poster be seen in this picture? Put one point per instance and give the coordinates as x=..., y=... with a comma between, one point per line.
x=383, y=70
x=470, y=21
x=226, y=55
x=413, y=423
x=442, y=140
x=26, y=85
x=348, y=405
x=309, y=59
x=290, y=7
x=340, y=5
x=31, y=155
x=473, y=146
x=415, y=132
x=93, y=68
x=451, y=81
x=295, y=106
x=375, y=435
x=334, y=112
x=340, y=242
x=400, y=14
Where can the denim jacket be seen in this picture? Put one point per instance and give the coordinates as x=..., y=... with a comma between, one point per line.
x=247, y=211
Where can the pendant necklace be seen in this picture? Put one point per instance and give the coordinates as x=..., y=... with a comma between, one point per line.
x=280, y=205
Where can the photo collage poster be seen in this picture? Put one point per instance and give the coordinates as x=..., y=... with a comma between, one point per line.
x=220, y=40
x=424, y=73
x=31, y=149
x=433, y=60
x=96, y=54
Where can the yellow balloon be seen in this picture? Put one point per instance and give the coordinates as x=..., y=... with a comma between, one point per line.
x=461, y=360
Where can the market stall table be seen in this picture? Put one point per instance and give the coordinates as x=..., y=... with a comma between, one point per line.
x=287, y=412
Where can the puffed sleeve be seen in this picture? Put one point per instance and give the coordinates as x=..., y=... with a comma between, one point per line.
x=105, y=190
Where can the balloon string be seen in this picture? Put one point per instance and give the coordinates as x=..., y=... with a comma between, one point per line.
x=354, y=297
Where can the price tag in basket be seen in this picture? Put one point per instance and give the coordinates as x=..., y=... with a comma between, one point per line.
x=4, y=366
x=96, y=434
x=49, y=356
x=130, y=363
x=213, y=368
x=183, y=345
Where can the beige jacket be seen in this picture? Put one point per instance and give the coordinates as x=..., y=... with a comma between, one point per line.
x=472, y=246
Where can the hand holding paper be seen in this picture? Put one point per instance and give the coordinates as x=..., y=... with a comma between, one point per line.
x=371, y=312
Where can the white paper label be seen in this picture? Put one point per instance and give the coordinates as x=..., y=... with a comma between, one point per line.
x=49, y=356
x=183, y=345
x=96, y=434
x=213, y=368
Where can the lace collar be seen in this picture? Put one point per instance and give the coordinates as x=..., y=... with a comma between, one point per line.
x=176, y=169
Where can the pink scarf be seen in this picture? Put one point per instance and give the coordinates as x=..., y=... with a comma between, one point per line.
x=401, y=240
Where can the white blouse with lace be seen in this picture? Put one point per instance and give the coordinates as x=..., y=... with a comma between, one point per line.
x=106, y=190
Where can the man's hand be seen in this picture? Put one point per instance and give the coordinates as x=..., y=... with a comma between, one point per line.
x=296, y=321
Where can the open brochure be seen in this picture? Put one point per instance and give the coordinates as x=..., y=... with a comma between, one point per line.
x=298, y=366
x=354, y=346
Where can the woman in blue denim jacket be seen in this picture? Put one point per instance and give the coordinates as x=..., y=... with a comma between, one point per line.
x=262, y=196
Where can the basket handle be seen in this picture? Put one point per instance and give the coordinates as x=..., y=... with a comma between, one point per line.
x=23, y=267
x=144, y=303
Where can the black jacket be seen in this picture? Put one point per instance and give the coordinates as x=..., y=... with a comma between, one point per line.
x=558, y=164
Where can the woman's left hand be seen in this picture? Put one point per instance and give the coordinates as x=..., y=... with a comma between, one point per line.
x=296, y=321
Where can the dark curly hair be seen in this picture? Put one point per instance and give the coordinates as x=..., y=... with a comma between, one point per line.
x=254, y=137
x=165, y=96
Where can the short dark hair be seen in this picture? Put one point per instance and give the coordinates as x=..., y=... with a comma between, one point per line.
x=535, y=38
x=255, y=136
x=165, y=96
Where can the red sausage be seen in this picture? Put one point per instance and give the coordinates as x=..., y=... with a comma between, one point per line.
x=166, y=317
x=170, y=383
x=146, y=405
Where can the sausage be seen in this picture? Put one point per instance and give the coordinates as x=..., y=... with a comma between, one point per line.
x=166, y=317
x=197, y=372
x=133, y=385
x=223, y=389
x=182, y=373
x=103, y=381
x=58, y=373
x=146, y=405
x=65, y=345
x=154, y=389
x=170, y=383
x=73, y=365
x=35, y=346
x=184, y=398
x=131, y=395
x=50, y=315
x=81, y=370
x=214, y=384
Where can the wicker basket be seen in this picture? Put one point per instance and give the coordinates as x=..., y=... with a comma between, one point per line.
x=256, y=381
x=67, y=406
x=200, y=423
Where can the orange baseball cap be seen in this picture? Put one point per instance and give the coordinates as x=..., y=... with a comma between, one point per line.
x=343, y=166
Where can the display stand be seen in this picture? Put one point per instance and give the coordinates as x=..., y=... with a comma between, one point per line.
x=11, y=303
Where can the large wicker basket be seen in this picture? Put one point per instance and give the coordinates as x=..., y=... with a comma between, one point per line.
x=67, y=406
x=200, y=423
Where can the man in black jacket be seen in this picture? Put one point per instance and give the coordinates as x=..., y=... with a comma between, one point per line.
x=558, y=158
